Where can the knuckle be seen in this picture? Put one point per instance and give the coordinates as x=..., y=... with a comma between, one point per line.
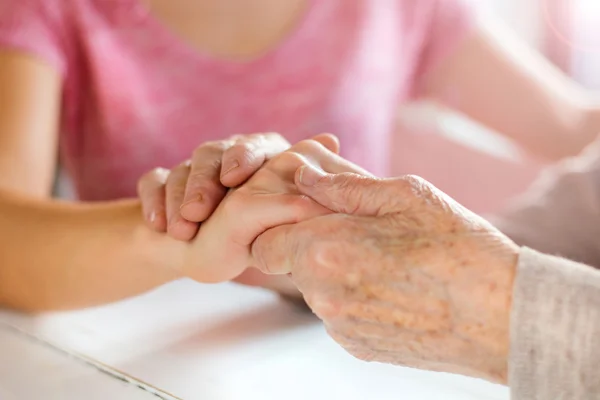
x=185, y=164
x=178, y=172
x=412, y=184
x=158, y=174
x=349, y=194
x=156, y=177
x=175, y=181
x=242, y=151
x=206, y=167
x=201, y=183
x=323, y=254
x=328, y=261
x=352, y=185
x=216, y=147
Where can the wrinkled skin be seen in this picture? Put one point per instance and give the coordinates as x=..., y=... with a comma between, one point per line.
x=177, y=201
x=404, y=275
x=222, y=249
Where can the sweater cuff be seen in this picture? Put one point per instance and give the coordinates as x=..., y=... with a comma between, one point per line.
x=555, y=329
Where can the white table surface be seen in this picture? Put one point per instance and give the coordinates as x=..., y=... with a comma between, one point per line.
x=225, y=342
x=30, y=370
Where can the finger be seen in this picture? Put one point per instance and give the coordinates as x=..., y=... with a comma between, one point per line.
x=330, y=141
x=228, y=235
x=203, y=189
x=151, y=191
x=177, y=226
x=262, y=212
x=351, y=193
x=248, y=154
x=276, y=251
x=328, y=161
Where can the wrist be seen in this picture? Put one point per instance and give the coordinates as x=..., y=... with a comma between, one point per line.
x=163, y=255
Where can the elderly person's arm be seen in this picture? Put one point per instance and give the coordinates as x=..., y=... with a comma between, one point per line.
x=555, y=326
x=560, y=214
x=556, y=317
x=405, y=275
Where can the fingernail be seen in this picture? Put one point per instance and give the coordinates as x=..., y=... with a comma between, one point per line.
x=152, y=217
x=230, y=167
x=198, y=199
x=310, y=176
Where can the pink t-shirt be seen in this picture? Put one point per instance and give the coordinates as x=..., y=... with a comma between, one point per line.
x=137, y=97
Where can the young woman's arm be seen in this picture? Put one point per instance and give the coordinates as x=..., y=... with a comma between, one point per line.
x=55, y=256
x=499, y=82
x=61, y=256
x=30, y=100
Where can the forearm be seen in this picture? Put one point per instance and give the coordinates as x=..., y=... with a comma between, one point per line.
x=561, y=130
x=499, y=82
x=548, y=115
x=62, y=256
x=554, y=326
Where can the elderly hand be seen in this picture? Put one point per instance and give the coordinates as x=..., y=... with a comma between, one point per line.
x=221, y=250
x=176, y=201
x=403, y=274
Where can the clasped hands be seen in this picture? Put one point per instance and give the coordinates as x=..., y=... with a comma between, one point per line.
x=222, y=210
x=398, y=271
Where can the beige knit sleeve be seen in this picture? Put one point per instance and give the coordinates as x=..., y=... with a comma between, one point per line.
x=555, y=330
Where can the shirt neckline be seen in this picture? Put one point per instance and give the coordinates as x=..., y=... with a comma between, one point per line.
x=287, y=42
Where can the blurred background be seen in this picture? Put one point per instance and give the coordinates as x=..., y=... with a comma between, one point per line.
x=567, y=32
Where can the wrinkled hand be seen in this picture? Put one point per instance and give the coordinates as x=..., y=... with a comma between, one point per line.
x=221, y=250
x=404, y=275
x=176, y=201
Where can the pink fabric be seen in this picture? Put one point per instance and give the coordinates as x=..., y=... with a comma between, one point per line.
x=137, y=97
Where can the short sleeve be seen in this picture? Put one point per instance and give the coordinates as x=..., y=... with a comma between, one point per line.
x=437, y=28
x=35, y=27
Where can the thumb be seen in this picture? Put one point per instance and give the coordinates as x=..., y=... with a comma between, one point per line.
x=277, y=250
x=350, y=193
